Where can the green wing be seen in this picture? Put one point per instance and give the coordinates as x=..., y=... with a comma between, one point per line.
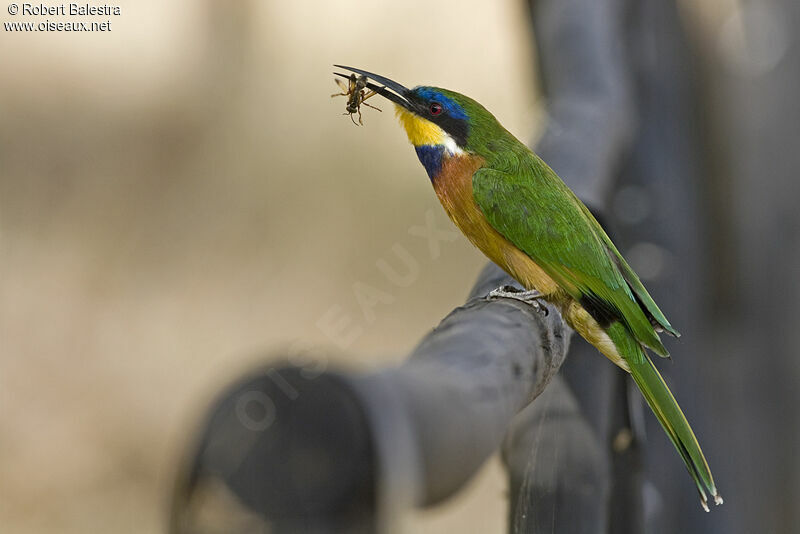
x=537, y=212
x=657, y=318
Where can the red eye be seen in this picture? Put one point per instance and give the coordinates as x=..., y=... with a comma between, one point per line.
x=435, y=108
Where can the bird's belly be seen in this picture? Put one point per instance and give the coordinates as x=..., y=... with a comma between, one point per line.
x=453, y=186
x=520, y=266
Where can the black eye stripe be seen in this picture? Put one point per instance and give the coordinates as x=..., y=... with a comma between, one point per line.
x=457, y=128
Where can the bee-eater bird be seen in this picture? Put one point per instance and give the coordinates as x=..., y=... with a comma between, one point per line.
x=518, y=212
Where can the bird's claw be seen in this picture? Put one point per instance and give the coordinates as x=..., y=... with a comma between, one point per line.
x=531, y=297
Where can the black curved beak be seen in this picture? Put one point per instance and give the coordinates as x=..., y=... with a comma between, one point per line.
x=389, y=89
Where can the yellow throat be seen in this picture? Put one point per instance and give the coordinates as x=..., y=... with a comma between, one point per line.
x=420, y=131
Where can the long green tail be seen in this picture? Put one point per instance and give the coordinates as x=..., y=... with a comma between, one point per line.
x=666, y=409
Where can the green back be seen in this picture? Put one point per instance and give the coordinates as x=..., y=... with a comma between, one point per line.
x=527, y=202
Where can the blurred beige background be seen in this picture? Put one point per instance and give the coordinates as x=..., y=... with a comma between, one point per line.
x=180, y=196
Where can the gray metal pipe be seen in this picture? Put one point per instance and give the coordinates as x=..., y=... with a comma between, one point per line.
x=352, y=452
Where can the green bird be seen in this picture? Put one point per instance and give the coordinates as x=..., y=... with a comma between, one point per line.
x=518, y=212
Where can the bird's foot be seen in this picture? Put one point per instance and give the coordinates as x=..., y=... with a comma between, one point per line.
x=531, y=297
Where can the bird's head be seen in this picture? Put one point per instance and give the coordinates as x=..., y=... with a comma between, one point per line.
x=439, y=123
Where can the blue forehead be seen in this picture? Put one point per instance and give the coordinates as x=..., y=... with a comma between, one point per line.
x=451, y=106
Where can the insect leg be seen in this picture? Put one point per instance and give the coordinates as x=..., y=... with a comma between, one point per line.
x=370, y=94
